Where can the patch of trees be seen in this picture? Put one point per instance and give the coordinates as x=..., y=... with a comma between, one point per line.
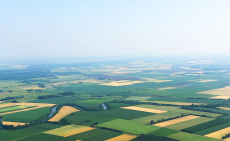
x=32, y=90
x=82, y=108
x=56, y=95
x=23, y=74
x=1, y=90
x=48, y=96
x=152, y=138
x=41, y=85
x=205, y=125
x=13, y=97
x=64, y=121
x=226, y=136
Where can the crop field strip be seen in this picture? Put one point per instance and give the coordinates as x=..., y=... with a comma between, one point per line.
x=174, y=103
x=144, y=109
x=95, y=135
x=177, y=109
x=218, y=134
x=64, y=111
x=182, y=136
x=27, y=116
x=174, y=121
x=78, y=131
x=69, y=130
x=124, y=137
x=14, y=108
x=13, y=123
x=128, y=126
x=147, y=119
x=6, y=135
x=189, y=123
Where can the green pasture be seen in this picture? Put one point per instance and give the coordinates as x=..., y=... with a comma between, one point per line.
x=9, y=135
x=59, y=100
x=27, y=116
x=44, y=137
x=104, y=116
x=139, y=98
x=182, y=136
x=128, y=126
x=163, y=132
x=174, y=99
x=95, y=135
x=93, y=103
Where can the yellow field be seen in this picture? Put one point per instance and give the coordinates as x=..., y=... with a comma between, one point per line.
x=35, y=87
x=219, y=134
x=19, y=111
x=144, y=109
x=122, y=83
x=129, y=82
x=174, y=121
x=224, y=108
x=59, y=83
x=124, y=137
x=86, y=81
x=69, y=130
x=38, y=105
x=124, y=72
x=221, y=91
x=174, y=103
x=166, y=88
x=205, y=80
x=12, y=123
x=77, y=131
x=64, y=111
x=220, y=97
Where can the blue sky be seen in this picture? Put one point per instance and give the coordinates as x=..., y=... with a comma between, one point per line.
x=75, y=28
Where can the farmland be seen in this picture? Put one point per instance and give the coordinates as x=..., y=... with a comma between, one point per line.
x=114, y=101
x=128, y=126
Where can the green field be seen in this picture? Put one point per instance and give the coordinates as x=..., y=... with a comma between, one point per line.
x=103, y=116
x=128, y=126
x=64, y=129
x=189, y=123
x=44, y=137
x=95, y=135
x=7, y=135
x=182, y=136
x=58, y=100
x=147, y=119
x=163, y=132
x=27, y=116
x=213, y=129
x=139, y=98
x=114, y=121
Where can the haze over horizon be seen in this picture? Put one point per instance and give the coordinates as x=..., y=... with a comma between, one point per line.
x=114, y=28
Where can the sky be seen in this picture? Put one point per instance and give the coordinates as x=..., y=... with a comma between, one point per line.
x=90, y=28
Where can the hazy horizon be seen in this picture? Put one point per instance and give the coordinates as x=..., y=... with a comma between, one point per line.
x=37, y=29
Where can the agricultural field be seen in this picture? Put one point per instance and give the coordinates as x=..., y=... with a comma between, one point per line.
x=114, y=100
x=128, y=126
x=189, y=123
